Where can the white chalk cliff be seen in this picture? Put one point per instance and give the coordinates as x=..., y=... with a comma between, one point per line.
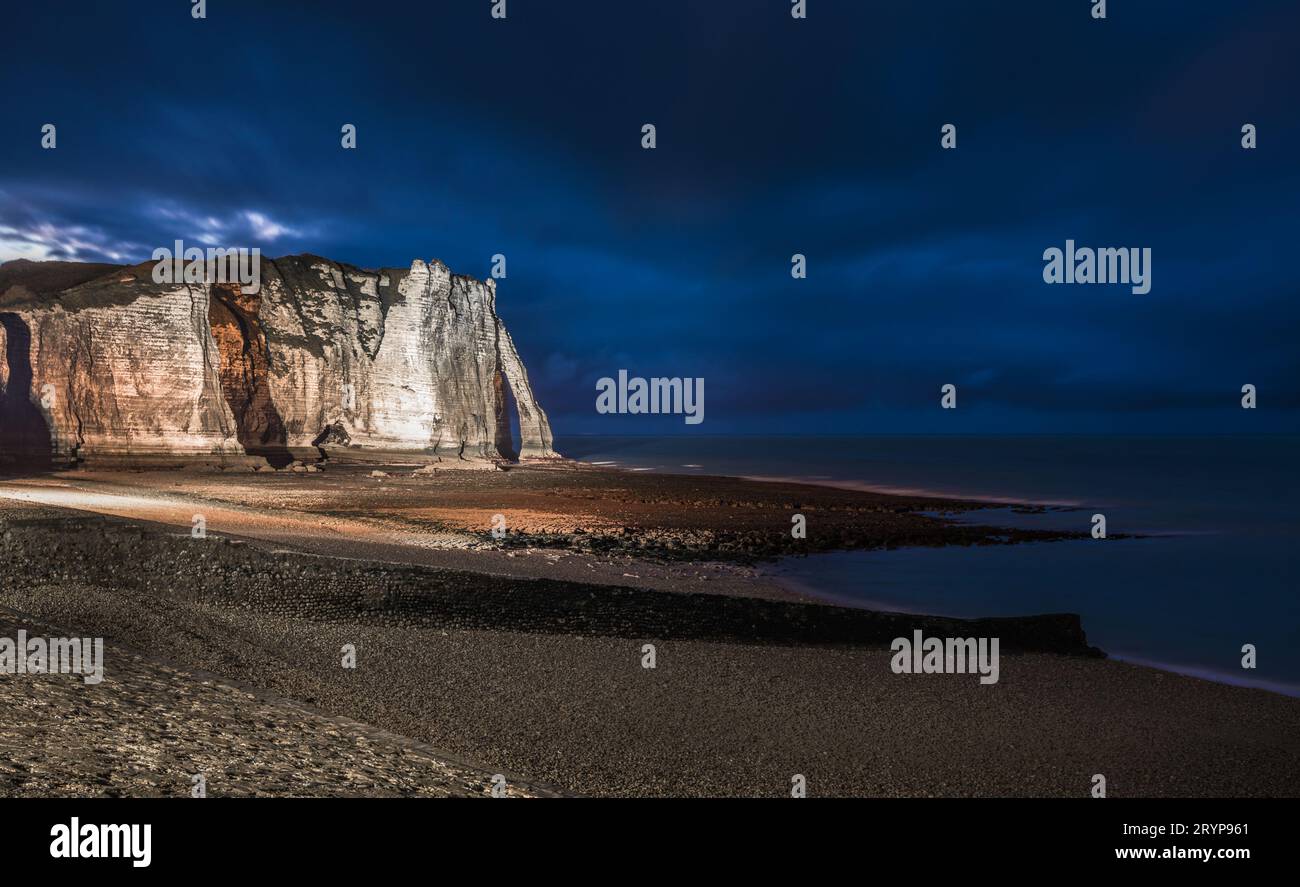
x=101, y=361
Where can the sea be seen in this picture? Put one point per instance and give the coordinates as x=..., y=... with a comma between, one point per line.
x=1213, y=564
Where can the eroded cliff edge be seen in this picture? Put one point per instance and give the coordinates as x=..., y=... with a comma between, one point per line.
x=101, y=362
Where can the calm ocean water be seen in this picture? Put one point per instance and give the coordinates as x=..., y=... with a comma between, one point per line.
x=1218, y=567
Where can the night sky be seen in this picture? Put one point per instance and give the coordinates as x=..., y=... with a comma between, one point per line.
x=775, y=136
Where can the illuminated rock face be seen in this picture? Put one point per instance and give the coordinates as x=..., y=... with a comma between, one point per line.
x=324, y=357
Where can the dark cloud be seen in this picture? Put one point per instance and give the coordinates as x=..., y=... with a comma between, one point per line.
x=521, y=137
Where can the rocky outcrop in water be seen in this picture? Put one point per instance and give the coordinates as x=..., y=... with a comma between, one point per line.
x=101, y=362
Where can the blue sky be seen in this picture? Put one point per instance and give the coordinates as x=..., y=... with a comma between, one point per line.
x=775, y=136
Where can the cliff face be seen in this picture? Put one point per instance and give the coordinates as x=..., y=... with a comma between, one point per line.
x=101, y=362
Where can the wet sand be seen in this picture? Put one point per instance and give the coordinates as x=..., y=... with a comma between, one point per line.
x=544, y=678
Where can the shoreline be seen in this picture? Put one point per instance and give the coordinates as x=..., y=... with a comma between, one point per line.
x=751, y=584
x=742, y=580
x=805, y=590
x=527, y=658
x=1279, y=688
x=919, y=492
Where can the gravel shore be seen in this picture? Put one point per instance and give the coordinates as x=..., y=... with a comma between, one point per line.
x=154, y=730
x=545, y=681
